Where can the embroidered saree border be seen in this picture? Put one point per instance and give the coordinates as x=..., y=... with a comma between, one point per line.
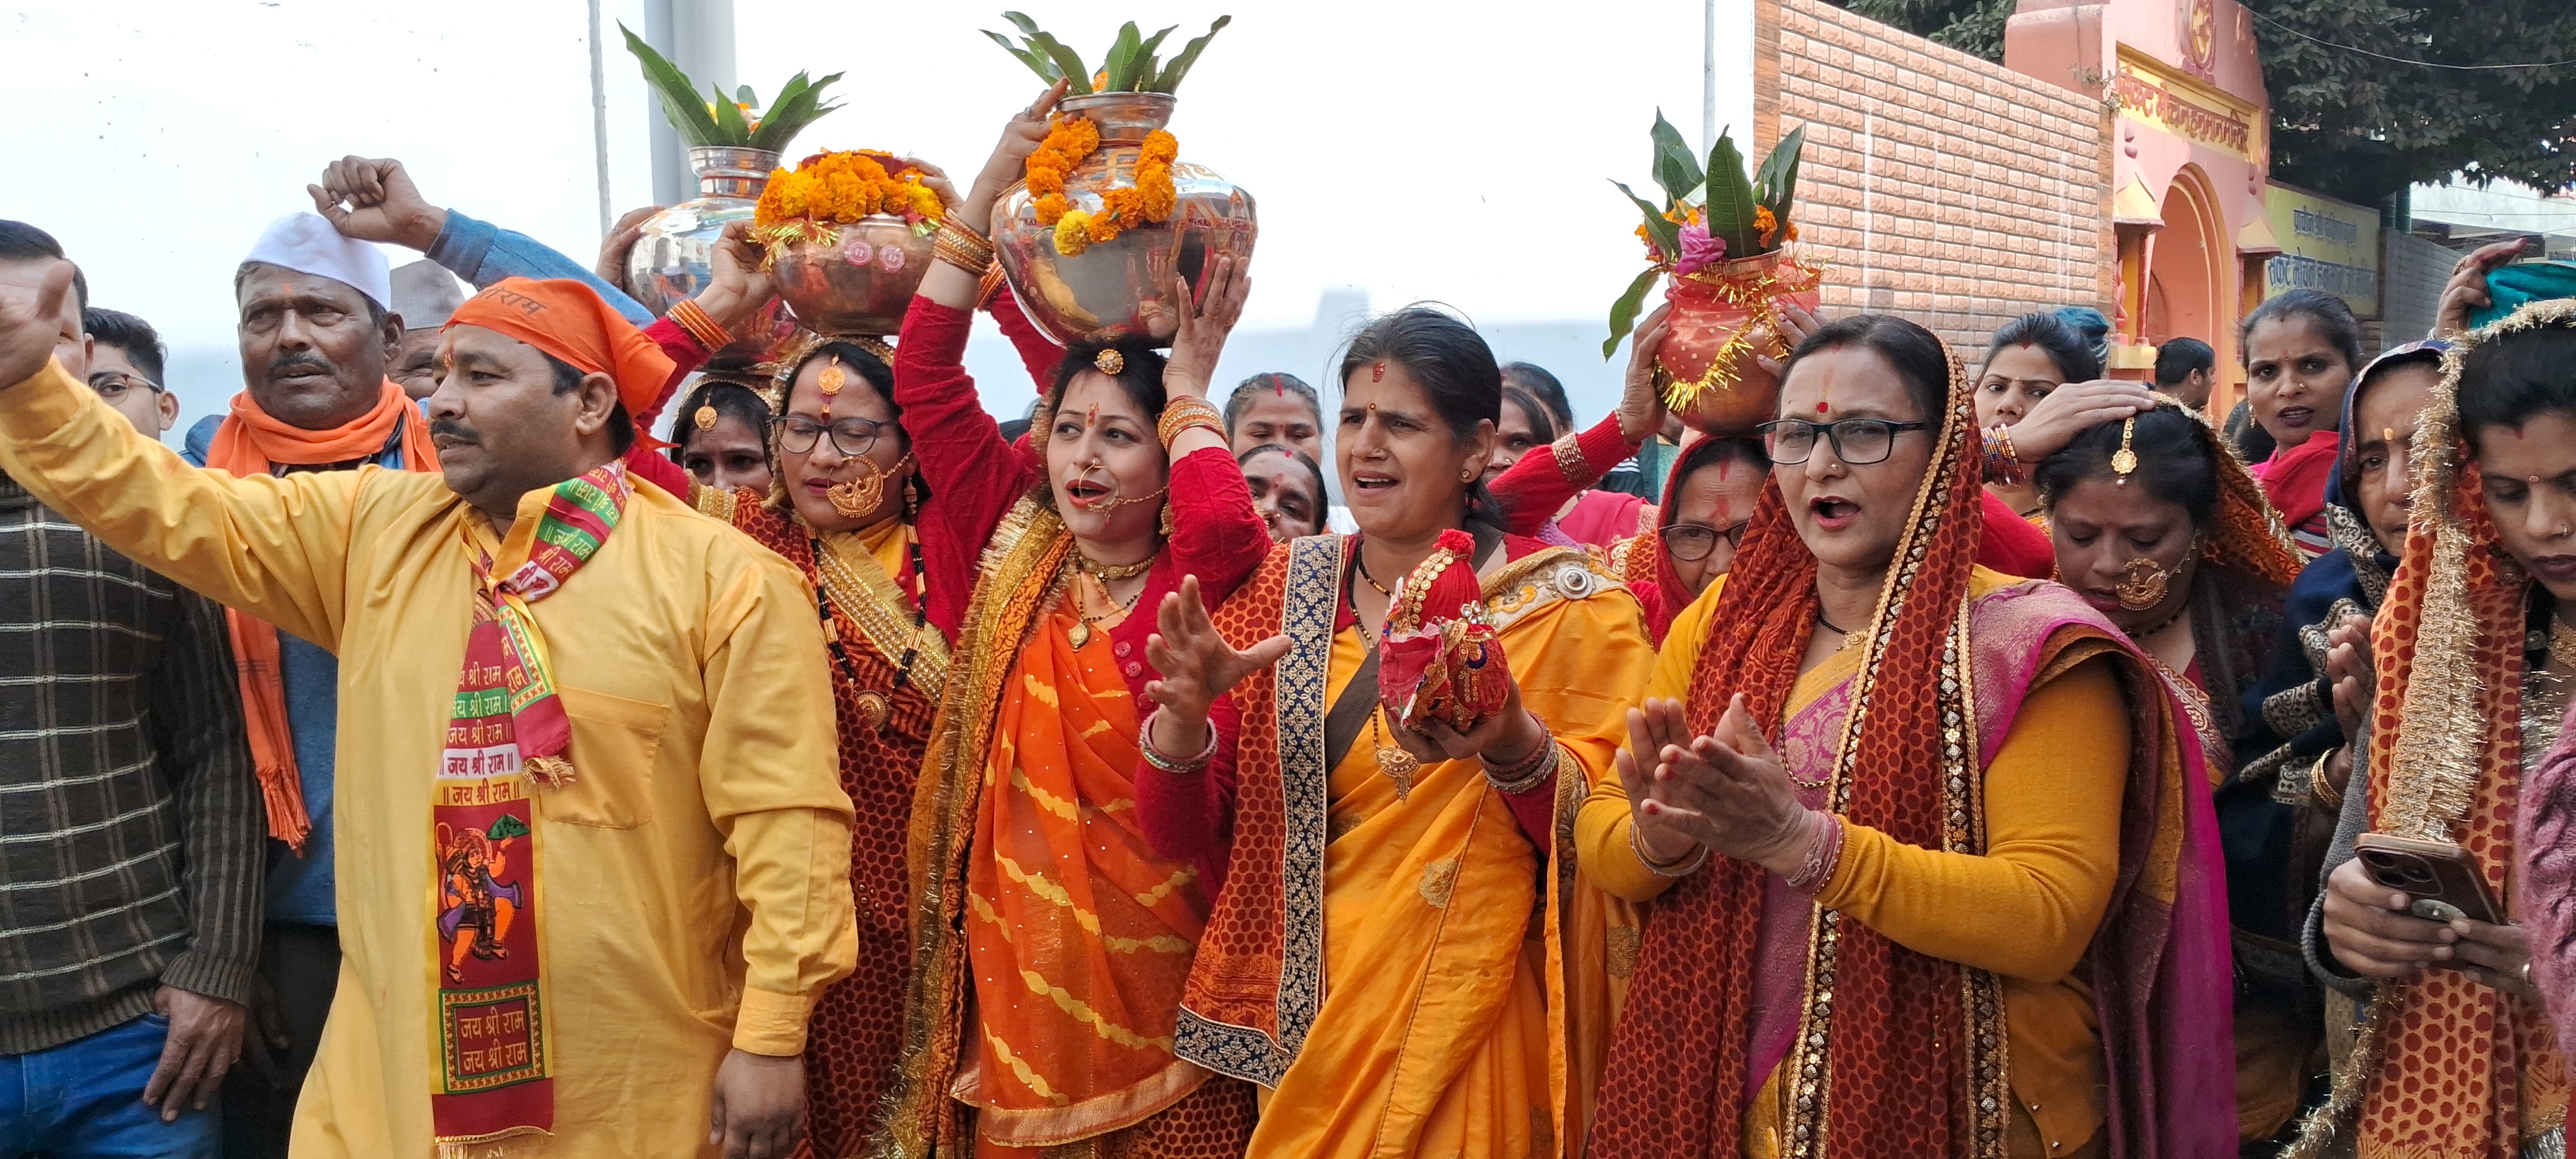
x=1309, y=611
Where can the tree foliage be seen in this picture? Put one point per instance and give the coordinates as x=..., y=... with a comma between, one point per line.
x=2362, y=126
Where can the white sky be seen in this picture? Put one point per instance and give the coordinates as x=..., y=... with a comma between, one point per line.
x=1395, y=149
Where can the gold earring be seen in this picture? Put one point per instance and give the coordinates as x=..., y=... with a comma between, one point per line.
x=2143, y=584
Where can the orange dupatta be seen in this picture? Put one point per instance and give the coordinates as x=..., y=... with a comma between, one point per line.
x=253, y=442
x=1085, y=935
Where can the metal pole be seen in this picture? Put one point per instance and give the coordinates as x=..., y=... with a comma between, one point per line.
x=1708, y=79
x=599, y=116
x=697, y=36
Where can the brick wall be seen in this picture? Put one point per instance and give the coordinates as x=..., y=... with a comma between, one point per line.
x=1936, y=186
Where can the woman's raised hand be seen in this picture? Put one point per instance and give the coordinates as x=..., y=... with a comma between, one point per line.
x=1729, y=792
x=1641, y=406
x=2072, y=409
x=741, y=284
x=1206, y=318
x=1020, y=137
x=1795, y=325
x=1196, y=663
x=938, y=182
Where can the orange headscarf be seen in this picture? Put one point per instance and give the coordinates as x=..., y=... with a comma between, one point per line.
x=2445, y=1062
x=254, y=442
x=570, y=321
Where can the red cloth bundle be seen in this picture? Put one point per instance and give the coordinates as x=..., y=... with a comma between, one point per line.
x=1438, y=657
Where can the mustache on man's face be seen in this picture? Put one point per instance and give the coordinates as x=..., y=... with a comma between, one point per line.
x=452, y=429
x=289, y=361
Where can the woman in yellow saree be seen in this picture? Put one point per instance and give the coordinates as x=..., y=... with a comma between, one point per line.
x=1930, y=851
x=1377, y=956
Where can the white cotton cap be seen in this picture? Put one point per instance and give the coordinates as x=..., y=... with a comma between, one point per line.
x=425, y=294
x=306, y=244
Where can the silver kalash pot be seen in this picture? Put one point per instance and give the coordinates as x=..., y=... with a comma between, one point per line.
x=1118, y=290
x=672, y=260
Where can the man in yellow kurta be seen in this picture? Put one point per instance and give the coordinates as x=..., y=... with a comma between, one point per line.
x=684, y=893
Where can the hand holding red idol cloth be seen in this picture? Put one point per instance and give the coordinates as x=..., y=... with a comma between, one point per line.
x=1438, y=657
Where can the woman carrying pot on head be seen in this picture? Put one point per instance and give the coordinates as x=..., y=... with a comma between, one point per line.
x=2301, y=349
x=2474, y=657
x=1538, y=485
x=1932, y=870
x=2160, y=529
x=1050, y=939
x=1371, y=958
x=839, y=496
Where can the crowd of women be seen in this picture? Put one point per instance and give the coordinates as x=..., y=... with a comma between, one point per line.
x=1992, y=765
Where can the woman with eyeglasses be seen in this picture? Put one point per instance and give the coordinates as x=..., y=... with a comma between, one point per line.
x=1690, y=540
x=1929, y=872
x=2164, y=532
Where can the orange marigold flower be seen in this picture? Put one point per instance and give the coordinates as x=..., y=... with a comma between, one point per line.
x=1765, y=224
x=1160, y=145
x=1052, y=207
x=1792, y=230
x=1103, y=228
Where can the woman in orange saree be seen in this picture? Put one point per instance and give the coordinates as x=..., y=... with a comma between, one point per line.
x=1050, y=941
x=1929, y=848
x=1379, y=957
x=2474, y=656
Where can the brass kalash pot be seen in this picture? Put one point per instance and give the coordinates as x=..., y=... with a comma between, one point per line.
x=1119, y=290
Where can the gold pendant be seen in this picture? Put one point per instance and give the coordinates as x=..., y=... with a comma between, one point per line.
x=2123, y=461
x=875, y=708
x=1399, y=767
x=1080, y=635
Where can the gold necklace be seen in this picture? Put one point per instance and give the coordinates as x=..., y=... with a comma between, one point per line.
x=1082, y=630
x=1105, y=572
x=2562, y=644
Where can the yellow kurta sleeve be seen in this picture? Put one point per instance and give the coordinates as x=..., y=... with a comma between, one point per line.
x=770, y=777
x=1601, y=827
x=2027, y=907
x=276, y=548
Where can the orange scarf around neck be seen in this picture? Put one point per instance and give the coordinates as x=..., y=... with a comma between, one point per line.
x=253, y=442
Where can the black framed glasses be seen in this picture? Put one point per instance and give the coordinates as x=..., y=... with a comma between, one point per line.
x=112, y=384
x=853, y=436
x=1857, y=442
x=1691, y=542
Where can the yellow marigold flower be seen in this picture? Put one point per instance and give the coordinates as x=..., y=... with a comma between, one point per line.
x=1161, y=145
x=1071, y=236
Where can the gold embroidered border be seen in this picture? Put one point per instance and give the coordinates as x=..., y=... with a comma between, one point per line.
x=861, y=589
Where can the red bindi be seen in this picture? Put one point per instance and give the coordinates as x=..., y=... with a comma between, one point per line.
x=1377, y=373
x=1820, y=408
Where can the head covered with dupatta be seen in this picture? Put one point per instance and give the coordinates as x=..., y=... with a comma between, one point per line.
x=2444, y=1060
x=1898, y=1052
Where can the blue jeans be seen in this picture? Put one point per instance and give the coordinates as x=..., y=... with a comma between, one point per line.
x=85, y=1098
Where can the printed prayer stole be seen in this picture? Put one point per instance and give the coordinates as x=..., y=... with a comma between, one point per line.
x=507, y=728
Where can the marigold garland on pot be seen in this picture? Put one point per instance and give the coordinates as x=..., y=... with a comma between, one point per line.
x=1150, y=200
x=842, y=187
